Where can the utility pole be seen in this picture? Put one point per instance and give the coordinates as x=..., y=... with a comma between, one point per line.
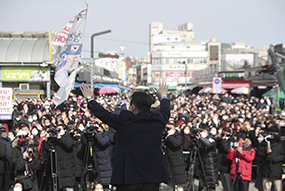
x=92, y=56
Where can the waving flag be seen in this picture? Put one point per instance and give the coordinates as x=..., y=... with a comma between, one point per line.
x=67, y=46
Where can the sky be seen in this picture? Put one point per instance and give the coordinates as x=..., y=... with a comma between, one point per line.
x=254, y=22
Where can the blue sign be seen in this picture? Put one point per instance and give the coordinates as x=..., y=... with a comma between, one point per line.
x=217, y=81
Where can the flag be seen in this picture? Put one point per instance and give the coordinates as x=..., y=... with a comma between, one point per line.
x=67, y=46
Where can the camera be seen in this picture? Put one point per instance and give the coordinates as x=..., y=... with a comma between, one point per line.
x=30, y=153
x=237, y=144
x=92, y=128
x=53, y=132
x=194, y=132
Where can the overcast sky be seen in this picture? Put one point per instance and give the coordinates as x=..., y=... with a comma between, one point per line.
x=255, y=22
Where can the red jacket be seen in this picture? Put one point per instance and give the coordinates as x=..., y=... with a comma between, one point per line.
x=244, y=164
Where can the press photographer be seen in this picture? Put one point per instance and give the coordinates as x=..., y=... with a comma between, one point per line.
x=25, y=161
x=241, y=154
x=208, y=162
x=58, y=147
x=271, y=153
x=223, y=144
x=97, y=140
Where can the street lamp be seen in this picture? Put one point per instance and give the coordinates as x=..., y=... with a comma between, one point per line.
x=92, y=55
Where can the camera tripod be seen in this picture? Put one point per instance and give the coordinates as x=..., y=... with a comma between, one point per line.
x=53, y=167
x=193, y=165
x=90, y=167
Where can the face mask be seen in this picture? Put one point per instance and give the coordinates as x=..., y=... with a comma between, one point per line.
x=225, y=117
x=42, y=135
x=47, y=125
x=203, y=134
x=261, y=101
x=241, y=120
x=11, y=137
x=17, y=189
x=213, y=132
x=260, y=139
x=248, y=116
x=74, y=113
x=81, y=128
x=171, y=132
x=18, y=119
x=100, y=190
x=35, y=132
x=62, y=132
x=35, y=118
x=187, y=132
x=283, y=114
x=30, y=120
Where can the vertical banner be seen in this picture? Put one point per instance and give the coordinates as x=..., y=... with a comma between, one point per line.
x=67, y=46
x=217, y=85
x=6, y=107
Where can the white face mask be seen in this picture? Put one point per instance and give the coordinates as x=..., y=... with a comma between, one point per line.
x=11, y=137
x=30, y=120
x=62, y=132
x=17, y=189
x=186, y=131
x=260, y=139
x=81, y=128
x=35, y=118
x=42, y=135
x=35, y=132
x=213, y=132
x=283, y=113
x=203, y=134
x=17, y=118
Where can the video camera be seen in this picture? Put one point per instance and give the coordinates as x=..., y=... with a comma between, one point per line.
x=92, y=128
x=194, y=132
x=53, y=132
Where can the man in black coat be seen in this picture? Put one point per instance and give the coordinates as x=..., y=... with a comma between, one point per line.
x=174, y=158
x=61, y=141
x=7, y=162
x=273, y=156
x=223, y=144
x=139, y=162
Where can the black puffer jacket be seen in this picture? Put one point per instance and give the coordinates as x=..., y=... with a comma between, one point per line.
x=174, y=158
x=2, y=158
x=223, y=146
x=207, y=148
x=65, y=160
x=20, y=164
x=271, y=164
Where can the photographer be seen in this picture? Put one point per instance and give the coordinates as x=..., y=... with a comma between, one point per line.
x=58, y=143
x=25, y=161
x=174, y=157
x=207, y=149
x=241, y=154
x=223, y=145
x=271, y=153
x=100, y=141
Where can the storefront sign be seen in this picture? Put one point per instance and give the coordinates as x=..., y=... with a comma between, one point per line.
x=23, y=73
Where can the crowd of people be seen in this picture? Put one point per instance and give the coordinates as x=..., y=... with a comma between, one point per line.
x=68, y=145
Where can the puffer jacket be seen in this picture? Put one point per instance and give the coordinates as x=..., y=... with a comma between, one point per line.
x=207, y=148
x=241, y=162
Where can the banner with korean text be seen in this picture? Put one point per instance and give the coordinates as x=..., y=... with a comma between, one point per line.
x=67, y=46
x=6, y=107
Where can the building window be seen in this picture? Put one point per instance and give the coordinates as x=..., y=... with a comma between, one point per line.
x=176, y=39
x=166, y=60
x=157, y=61
x=168, y=38
x=188, y=47
x=173, y=47
x=189, y=60
x=171, y=61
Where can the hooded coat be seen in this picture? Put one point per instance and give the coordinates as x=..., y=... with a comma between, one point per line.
x=242, y=162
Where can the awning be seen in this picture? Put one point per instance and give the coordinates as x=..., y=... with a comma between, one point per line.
x=234, y=85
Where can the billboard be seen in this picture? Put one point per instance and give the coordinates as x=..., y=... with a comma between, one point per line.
x=6, y=107
x=24, y=73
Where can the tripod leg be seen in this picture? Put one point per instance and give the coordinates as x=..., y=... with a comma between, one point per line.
x=203, y=170
x=192, y=165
